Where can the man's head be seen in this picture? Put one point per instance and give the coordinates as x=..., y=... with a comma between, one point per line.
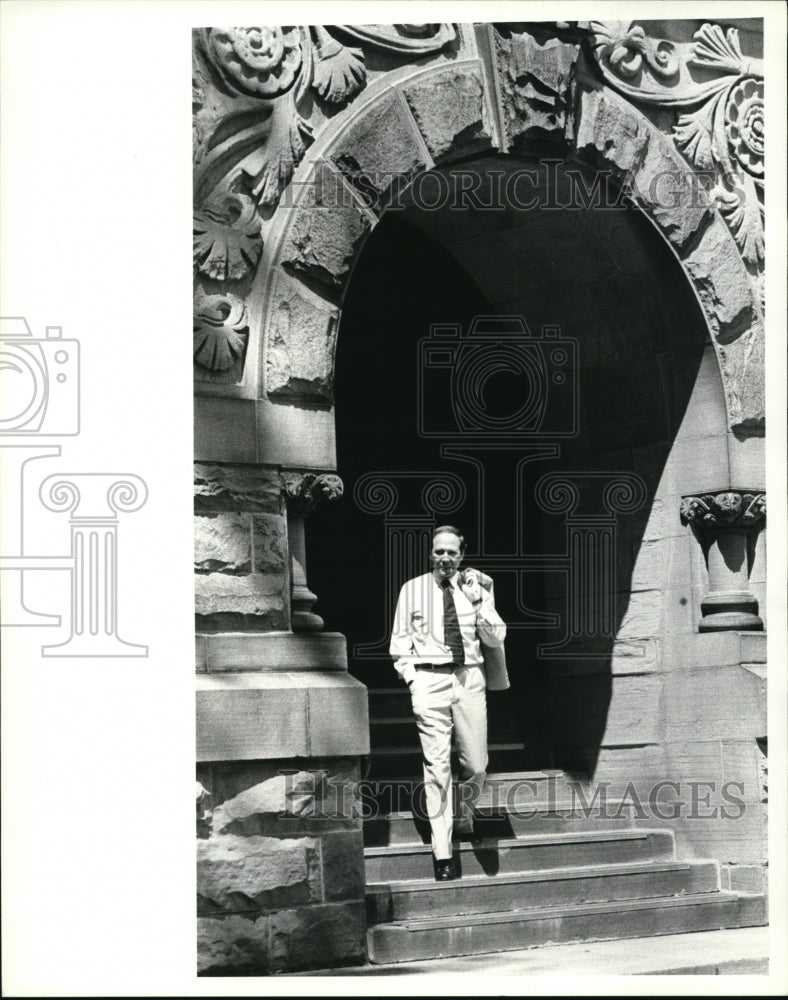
x=448, y=548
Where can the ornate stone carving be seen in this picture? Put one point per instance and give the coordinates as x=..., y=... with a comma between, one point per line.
x=262, y=61
x=720, y=123
x=227, y=241
x=722, y=521
x=744, y=124
x=339, y=71
x=624, y=48
x=724, y=508
x=306, y=490
x=257, y=144
x=406, y=39
x=221, y=331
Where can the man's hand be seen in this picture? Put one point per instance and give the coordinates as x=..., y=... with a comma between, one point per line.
x=471, y=586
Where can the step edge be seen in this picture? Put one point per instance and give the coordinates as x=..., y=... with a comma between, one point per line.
x=547, y=875
x=579, y=837
x=722, y=896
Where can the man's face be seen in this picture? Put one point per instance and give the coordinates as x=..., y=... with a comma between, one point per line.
x=446, y=555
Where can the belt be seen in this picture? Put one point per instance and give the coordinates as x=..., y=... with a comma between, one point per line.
x=447, y=667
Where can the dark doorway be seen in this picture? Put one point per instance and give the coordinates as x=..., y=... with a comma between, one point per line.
x=606, y=279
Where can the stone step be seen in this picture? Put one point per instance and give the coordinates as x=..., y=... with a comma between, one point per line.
x=476, y=934
x=524, y=854
x=398, y=901
x=405, y=827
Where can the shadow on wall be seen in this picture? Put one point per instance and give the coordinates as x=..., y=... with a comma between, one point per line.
x=609, y=282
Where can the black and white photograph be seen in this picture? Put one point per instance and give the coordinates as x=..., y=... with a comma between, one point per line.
x=468, y=669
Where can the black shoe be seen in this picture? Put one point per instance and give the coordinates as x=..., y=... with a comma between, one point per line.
x=445, y=870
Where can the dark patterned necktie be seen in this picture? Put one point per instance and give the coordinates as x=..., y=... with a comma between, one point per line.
x=452, y=637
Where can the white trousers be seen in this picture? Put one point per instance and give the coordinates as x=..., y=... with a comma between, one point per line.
x=443, y=700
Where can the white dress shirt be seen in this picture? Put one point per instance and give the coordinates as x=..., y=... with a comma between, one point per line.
x=417, y=635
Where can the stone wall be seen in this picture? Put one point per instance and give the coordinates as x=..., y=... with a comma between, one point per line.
x=280, y=866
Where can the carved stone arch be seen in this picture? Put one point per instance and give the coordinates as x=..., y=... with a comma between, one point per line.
x=386, y=139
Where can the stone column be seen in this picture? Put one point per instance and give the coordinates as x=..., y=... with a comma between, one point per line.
x=304, y=491
x=725, y=523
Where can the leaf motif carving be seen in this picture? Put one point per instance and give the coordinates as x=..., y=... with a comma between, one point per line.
x=227, y=241
x=220, y=331
x=287, y=141
x=697, y=133
x=715, y=49
x=741, y=210
x=339, y=71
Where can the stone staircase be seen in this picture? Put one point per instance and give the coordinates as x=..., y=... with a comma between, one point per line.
x=547, y=864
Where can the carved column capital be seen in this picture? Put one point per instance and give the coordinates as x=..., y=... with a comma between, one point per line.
x=305, y=490
x=722, y=521
x=728, y=508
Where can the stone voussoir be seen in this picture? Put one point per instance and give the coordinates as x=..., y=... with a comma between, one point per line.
x=450, y=109
x=326, y=232
x=379, y=146
x=299, y=361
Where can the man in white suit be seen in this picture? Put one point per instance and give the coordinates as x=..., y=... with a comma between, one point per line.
x=444, y=624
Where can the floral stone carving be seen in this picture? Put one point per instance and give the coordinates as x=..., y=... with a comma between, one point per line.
x=724, y=508
x=306, y=490
x=718, y=93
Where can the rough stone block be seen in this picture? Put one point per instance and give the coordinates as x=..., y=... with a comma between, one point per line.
x=326, y=232
x=535, y=82
x=742, y=364
x=299, y=359
x=226, y=603
x=265, y=872
x=671, y=195
x=716, y=269
x=237, y=488
x=379, y=147
x=222, y=543
x=342, y=859
x=450, y=110
x=609, y=134
x=244, y=814
x=332, y=934
x=232, y=944
x=269, y=538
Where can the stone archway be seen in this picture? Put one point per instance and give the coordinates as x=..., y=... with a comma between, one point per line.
x=304, y=137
